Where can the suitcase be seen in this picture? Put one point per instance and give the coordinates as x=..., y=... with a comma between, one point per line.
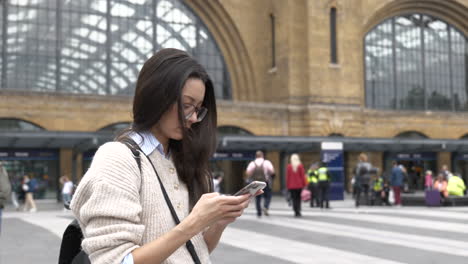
x=432, y=198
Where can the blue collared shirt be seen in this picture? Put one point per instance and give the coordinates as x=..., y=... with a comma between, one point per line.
x=148, y=143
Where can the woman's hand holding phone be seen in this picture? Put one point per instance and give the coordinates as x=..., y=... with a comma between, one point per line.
x=214, y=208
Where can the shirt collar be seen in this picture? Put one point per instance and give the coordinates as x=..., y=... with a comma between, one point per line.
x=148, y=143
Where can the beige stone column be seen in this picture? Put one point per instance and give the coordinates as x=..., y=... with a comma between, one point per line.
x=79, y=167
x=376, y=159
x=444, y=158
x=66, y=161
x=274, y=157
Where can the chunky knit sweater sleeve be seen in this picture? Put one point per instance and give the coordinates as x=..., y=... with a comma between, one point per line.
x=107, y=205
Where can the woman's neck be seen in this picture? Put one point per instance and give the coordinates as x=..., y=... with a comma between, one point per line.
x=164, y=141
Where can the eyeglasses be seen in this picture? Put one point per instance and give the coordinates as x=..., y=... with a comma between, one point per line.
x=189, y=109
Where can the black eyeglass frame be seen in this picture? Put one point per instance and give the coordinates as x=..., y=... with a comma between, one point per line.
x=200, y=111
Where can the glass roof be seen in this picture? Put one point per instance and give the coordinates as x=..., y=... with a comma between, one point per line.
x=99, y=46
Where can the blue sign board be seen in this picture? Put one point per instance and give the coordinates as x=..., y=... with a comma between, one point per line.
x=28, y=154
x=414, y=156
x=233, y=155
x=461, y=156
x=334, y=158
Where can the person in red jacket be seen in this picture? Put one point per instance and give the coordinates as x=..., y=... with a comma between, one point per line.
x=295, y=182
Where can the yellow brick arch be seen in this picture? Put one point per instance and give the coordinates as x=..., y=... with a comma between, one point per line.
x=229, y=40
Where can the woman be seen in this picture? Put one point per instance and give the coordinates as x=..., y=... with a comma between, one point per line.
x=67, y=189
x=122, y=211
x=296, y=181
x=440, y=184
x=428, y=180
x=28, y=187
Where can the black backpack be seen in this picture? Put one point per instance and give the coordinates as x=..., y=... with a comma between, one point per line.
x=70, y=248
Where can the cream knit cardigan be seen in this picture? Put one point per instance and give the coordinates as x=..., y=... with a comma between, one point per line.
x=120, y=209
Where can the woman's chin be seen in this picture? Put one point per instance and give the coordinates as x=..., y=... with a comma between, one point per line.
x=178, y=135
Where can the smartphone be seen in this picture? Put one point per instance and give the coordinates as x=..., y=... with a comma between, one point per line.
x=251, y=188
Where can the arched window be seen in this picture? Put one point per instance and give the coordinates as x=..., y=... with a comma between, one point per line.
x=232, y=130
x=98, y=46
x=11, y=124
x=114, y=128
x=416, y=62
x=411, y=135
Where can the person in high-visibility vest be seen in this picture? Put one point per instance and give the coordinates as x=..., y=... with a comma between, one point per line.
x=377, y=189
x=456, y=186
x=323, y=185
x=312, y=180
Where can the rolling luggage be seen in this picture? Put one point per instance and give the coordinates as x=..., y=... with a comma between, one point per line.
x=432, y=198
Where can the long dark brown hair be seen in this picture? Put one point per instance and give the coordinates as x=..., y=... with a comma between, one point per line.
x=159, y=86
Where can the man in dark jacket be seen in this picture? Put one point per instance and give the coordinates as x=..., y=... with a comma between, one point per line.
x=362, y=174
x=5, y=189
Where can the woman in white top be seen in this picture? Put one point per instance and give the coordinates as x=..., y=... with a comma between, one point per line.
x=67, y=189
x=121, y=209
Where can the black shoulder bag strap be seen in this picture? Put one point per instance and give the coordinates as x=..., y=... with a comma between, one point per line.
x=134, y=148
x=136, y=154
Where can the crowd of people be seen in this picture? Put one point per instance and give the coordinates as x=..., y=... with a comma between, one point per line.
x=446, y=183
x=315, y=182
x=370, y=185
x=25, y=190
x=366, y=178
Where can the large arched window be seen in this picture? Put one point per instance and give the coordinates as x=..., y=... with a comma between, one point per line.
x=232, y=130
x=411, y=135
x=15, y=125
x=98, y=46
x=416, y=62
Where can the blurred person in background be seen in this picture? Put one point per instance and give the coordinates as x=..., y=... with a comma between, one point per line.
x=312, y=180
x=261, y=169
x=440, y=184
x=456, y=186
x=386, y=192
x=324, y=179
x=362, y=174
x=295, y=182
x=67, y=190
x=396, y=181
x=445, y=172
x=28, y=187
x=5, y=189
x=377, y=190
x=217, y=179
x=428, y=181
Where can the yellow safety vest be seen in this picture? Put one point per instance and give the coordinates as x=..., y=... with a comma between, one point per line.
x=456, y=186
x=378, y=185
x=322, y=174
x=312, y=176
